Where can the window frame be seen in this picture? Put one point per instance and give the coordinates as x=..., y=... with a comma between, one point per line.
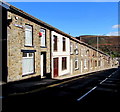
x=71, y=48
x=64, y=44
x=43, y=37
x=76, y=49
x=64, y=67
x=55, y=49
x=76, y=62
x=85, y=64
x=25, y=43
x=29, y=57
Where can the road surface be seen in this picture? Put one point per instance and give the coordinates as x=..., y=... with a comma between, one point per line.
x=99, y=90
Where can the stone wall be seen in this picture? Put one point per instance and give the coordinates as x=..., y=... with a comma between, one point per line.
x=16, y=40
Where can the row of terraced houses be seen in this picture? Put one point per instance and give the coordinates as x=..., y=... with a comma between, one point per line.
x=31, y=48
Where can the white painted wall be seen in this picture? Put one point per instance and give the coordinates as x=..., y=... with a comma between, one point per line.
x=60, y=53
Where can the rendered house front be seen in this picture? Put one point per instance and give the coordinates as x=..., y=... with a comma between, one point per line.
x=60, y=49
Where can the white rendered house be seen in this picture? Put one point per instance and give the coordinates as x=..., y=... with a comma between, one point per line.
x=60, y=47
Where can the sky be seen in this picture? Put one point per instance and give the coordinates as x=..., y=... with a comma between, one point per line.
x=76, y=18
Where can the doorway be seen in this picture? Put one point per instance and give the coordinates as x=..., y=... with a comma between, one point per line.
x=43, y=64
x=55, y=67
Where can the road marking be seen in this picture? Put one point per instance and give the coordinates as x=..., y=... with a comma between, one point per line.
x=103, y=81
x=86, y=93
x=80, y=98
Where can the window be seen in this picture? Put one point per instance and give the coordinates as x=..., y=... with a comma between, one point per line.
x=76, y=63
x=64, y=44
x=99, y=63
x=27, y=63
x=28, y=35
x=76, y=50
x=71, y=48
x=82, y=51
x=95, y=63
x=64, y=63
x=55, y=43
x=43, y=37
x=85, y=64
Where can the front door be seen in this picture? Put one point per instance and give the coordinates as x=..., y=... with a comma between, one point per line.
x=55, y=67
x=43, y=64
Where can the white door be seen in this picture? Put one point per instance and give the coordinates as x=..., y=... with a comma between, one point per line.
x=71, y=66
x=42, y=65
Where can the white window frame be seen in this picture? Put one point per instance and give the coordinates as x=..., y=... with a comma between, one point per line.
x=27, y=57
x=76, y=50
x=43, y=38
x=28, y=35
x=76, y=60
x=71, y=48
x=63, y=41
x=85, y=64
x=82, y=51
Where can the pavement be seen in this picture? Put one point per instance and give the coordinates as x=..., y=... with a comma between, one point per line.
x=27, y=85
x=13, y=88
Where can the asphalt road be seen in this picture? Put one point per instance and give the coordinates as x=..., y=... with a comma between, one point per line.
x=98, y=90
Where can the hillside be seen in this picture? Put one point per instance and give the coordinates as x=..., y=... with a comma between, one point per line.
x=108, y=44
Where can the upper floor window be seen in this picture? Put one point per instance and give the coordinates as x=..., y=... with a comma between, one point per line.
x=55, y=42
x=28, y=35
x=43, y=37
x=64, y=44
x=76, y=50
x=71, y=48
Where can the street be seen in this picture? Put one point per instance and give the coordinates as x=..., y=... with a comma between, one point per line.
x=96, y=90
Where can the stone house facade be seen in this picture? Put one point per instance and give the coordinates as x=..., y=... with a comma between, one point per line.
x=85, y=59
x=27, y=45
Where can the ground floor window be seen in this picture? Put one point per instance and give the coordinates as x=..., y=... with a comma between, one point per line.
x=95, y=63
x=27, y=63
x=76, y=63
x=64, y=63
x=85, y=64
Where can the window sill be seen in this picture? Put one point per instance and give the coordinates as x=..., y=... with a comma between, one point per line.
x=64, y=69
x=23, y=75
x=43, y=46
x=28, y=46
x=76, y=69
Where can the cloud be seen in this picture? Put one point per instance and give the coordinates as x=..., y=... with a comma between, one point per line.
x=117, y=33
x=116, y=26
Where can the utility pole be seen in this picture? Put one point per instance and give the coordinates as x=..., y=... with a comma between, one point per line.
x=97, y=51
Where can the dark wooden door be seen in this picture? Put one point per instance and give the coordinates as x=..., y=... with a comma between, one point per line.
x=55, y=66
